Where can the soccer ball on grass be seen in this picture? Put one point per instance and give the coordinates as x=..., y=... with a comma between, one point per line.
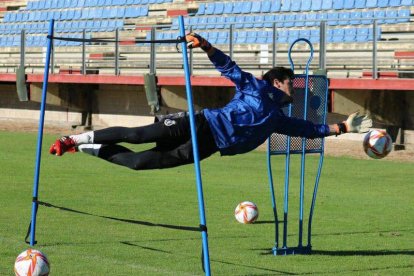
x=31, y=262
x=246, y=212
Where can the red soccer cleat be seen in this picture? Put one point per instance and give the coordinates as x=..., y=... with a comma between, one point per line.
x=62, y=145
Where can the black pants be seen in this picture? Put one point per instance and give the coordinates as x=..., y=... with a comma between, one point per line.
x=173, y=143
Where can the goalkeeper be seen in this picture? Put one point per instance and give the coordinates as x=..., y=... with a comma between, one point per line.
x=243, y=124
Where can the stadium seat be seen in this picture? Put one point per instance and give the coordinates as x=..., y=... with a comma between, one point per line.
x=228, y=7
x=201, y=9
x=237, y=8
x=382, y=3
x=311, y=19
x=316, y=5
x=315, y=36
x=222, y=38
x=293, y=35
x=343, y=18
x=240, y=37
x=362, y=34
x=350, y=35
x=306, y=5
x=360, y=4
x=394, y=3
x=212, y=37
x=326, y=4
x=246, y=7
x=337, y=4
x=248, y=21
x=391, y=16
x=276, y=6
x=333, y=18
x=239, y=22
x=403, y=15
x=286, y=5
x=379, y=16
x=221, y=20
x=349, y=4
x=265, y=6
x=337, y=35
x=305, y=33
x=282, y=36
x=263, y=37
x=355, y=18
x=211, y=22
x=407, y=2
x=202, y=21
x=218, y=8
x=256, y=6
x=230, y=20
x=268, y=20
x=367, y=17
x=372, y=4
x=209, y=8
x=280, y=20
x=251, y=37
x=370, y=33
x=258, y=21
x=300, y=19
x=295, y=6
x=289, y=20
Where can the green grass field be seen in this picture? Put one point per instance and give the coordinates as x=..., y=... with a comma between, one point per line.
x=109, y=220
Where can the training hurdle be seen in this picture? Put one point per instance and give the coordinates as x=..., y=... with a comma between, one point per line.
x=310, y=103
x=180, y=40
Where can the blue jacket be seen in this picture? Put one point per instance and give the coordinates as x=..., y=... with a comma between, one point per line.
x=253, y=114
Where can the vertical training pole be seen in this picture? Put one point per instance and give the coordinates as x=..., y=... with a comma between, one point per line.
x=40, y=135
x=203, y=224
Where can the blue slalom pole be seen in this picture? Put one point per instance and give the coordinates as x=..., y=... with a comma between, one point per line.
x=40, y=135
x=203, y=224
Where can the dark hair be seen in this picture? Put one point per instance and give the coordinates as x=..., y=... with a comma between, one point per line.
x=279, y=73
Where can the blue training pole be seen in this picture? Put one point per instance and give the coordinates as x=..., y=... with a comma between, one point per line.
x=203, y=224
x=40, y=136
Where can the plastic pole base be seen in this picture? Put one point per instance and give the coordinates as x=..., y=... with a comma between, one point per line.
x=304, y=250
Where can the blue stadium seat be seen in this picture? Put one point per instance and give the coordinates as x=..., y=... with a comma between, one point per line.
x=239, y=22
x=295, y=6
x=314, y=36
x=371, y=34
x=221, y=20
x=407, y=2
x=350, y=35
x=317, y=5
x=251, y=37
x=237, y=8
x=293, y=35
x=311, y=19
x=258, y=21
x=395, y=3
x=286, y=5
x=337, y=35
x=228, y=7
x=201, y=24
x=211, y=22
x=282, y=36
x=201, y=9
x=263, y=37
x=338, y=4
x=280, y=20
x=268, y=20
x=306, y=5
x=249, y=21
x=322, y=16
x=355, y=18
x=367, y=17
x=300, y=19
x=349, y=4
x=382, y=3
x=212, y=37
x=333, y=18
x=132, y=12
x=360, y=4
x=327, y=5
x=222, y=38
x=265, y=7
x=372, y=4
x=256, y=6
x=276, y=6
x=305, y=33
x=362, y=34
x=246, y=7
x=379, y=16
x=391, y=16
x=240, y=37
x=209, y=8
x=218, y=8
x=289, y=20
x=403, y=15
x=230, y=20
x=343, y=18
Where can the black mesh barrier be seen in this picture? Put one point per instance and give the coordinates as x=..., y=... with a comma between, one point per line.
x=316, y=113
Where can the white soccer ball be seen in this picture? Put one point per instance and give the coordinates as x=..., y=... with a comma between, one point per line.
x=246, y=212
x=377, y=144
x=31, y=262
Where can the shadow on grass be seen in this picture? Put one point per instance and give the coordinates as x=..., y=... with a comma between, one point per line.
x=269, y=251
x=146, y=223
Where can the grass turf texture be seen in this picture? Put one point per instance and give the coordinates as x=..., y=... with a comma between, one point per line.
x=115, y=221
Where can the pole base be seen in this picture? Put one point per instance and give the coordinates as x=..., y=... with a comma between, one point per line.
x=304, y=250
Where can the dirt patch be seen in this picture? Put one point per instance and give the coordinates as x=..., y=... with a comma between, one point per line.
x=334, y=146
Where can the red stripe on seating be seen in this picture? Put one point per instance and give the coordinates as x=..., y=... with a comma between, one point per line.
x=176, y=12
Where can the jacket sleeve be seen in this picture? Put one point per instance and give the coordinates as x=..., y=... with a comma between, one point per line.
x=301, y=128
x=228, y=68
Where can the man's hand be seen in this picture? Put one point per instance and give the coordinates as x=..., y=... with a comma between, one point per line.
x=194, y=41
x=358, y=124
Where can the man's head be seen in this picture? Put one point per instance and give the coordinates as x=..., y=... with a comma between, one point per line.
x=281, y=78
